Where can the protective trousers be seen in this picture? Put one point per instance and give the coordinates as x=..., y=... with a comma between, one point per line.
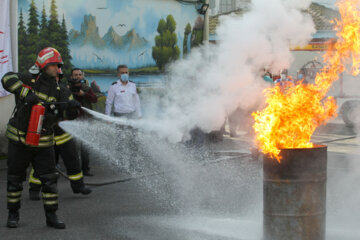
x=69, y=154
x=43, y=161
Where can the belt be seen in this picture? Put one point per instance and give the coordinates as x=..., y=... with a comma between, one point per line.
x=130, y=115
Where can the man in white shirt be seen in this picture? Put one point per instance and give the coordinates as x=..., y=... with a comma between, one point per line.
x=123, y=96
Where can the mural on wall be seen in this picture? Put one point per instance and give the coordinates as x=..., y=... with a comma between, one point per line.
x=98, y=35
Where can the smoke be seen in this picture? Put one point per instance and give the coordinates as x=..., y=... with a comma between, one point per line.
x=213, y=80
x=202, y=89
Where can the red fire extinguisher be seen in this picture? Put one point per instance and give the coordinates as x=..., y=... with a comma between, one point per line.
x=35, y=125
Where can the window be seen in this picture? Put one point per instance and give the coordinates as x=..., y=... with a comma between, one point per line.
x=227, y=6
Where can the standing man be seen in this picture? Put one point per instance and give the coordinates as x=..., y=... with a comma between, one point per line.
x=284, y=82
x=29, y=91
x=85, y=95
x=80, y=88
x=65, y=146
x=123, y=95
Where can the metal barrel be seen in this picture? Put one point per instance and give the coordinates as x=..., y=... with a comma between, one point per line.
x=295, y=195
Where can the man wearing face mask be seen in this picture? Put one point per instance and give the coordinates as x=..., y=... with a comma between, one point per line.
x=285, y=81
x=123, y=96
x=301, y=77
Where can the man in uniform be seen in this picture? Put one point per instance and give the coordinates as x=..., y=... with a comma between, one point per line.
x=65, y=146
x=123, y=95
x=28, y=92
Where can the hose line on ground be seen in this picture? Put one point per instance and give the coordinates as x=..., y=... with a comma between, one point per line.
x=151, y=174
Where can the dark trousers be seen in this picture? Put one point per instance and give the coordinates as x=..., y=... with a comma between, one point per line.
x=43, y=161
x=85, y=157
x=131, y=115
x=69, y=154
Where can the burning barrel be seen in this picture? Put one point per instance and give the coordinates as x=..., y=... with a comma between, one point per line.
x=295, y=194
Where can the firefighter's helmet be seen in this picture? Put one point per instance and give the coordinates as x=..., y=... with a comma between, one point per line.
x=45, y=57
x=48, y=56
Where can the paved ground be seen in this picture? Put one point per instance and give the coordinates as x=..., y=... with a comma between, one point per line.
x=218, y=198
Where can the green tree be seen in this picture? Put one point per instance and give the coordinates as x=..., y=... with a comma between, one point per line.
x=186, y=36
x=54, y=27
x=32, y=36
x=58, y=37
x=22, y=43
x=64, y=46
x=166, y=49
x=44, y=31
x=197, y=37
x=197, y=32
x=170, y=23
x=161, y=26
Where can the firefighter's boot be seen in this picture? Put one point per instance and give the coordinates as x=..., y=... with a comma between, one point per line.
x=13, y=219
x=53, y=221
x=14, y=188
x=79, y=187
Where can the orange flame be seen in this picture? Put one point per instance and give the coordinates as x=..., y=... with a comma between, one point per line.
x=291, y=117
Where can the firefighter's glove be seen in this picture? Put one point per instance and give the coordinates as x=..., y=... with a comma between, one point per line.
x=31, y=99
x=74, y=104
x=72, y=110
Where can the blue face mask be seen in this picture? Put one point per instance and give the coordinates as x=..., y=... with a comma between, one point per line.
x=268, y=79
x=124, y=77
x=300, y=76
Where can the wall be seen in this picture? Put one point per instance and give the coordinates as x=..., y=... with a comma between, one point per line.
x=7, y=106
x=7, y=103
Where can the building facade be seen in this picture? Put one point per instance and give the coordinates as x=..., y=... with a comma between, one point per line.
x=226, y=6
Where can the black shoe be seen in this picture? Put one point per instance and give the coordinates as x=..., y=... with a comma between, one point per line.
x=87, y=173
x=53, y=221
x=34, y=195
x=13, y=219
x=83, y=190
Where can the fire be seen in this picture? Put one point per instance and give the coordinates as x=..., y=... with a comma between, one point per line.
x=292, y=115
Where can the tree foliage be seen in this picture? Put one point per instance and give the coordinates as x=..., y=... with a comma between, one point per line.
x=48, y=32
x=166, y=48
x=186, y=36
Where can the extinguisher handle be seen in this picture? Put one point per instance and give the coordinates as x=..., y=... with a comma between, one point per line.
x=55, y=103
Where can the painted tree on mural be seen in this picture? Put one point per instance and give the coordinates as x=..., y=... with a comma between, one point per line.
x=32, y=36
x=44, y=40
x=39, y=35
x=54, y=27
x=22, y=36
x=186, y=36
x=64, y=46
x=166, y=48
x=197, y=34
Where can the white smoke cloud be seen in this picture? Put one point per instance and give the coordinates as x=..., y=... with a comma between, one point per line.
x=214, y=80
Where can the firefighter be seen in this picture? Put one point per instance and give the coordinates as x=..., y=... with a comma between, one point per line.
x=65, y=146
x=28, y=92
